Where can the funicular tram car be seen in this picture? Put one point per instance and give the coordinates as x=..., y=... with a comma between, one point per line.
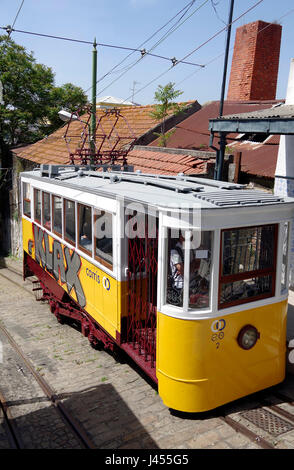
x=188, y=276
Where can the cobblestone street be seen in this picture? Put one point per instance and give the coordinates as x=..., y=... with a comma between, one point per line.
x=118, y=408
x=114, y=403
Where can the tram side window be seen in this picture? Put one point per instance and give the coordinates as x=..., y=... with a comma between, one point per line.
x=200, y=266
x=26, y=191
x=285, y=243
x=103, y=238
x=69, y=221
x=248, y=264
x=85, y=228
x=46, y=211
x=199, y=259
x=37, y=205
x=57, y=215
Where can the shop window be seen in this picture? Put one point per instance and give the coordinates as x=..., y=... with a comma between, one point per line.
x=37, y=206
x=69, y=221
x=103, y=238
x=85, y=228
x=26, y=191
x=248, y=264
x=57, y=215
x=46, y=211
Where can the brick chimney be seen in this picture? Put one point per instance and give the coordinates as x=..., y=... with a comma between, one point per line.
x=255, y=63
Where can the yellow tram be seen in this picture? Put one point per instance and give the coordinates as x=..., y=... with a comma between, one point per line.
x=188, y=276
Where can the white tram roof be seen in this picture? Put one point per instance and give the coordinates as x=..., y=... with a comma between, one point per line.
x=156, y=190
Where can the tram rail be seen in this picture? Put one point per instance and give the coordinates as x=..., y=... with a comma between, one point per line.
x=75, y=427
x=267, y=401
x=12, y=433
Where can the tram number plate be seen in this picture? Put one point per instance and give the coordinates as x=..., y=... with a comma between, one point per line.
x=217, y=328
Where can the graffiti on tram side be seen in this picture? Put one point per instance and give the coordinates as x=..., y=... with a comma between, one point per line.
x=59, y=262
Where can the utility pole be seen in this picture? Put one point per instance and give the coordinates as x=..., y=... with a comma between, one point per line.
x=221, y=152
x=94, y=93
x=133, y=89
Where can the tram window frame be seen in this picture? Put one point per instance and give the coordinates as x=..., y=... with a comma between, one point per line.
x=285, y=236
x=54, y=196
x=80, y=246
x=98, y=258
x=269, y=272
x=193, y=295
x=71, y=241
x=37, y=203
x=49, y=226
x=26, y=190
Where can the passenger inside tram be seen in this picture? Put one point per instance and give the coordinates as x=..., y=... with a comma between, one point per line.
x=199, y=276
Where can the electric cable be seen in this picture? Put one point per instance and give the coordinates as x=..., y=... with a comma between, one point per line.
x=152, y=48
x=232, y=47
x=221, y=30
x=17, y=13
x=143, y=52
x=170, y=31
x=16, y=16
x=196, y=49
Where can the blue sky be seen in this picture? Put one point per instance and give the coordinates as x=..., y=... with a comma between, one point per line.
x=129, y=23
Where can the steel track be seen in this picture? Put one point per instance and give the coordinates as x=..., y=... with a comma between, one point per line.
x=12, y=433
x=49, y=392
x=237, y=426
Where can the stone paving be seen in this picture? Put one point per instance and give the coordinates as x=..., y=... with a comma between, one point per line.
x=113, y=401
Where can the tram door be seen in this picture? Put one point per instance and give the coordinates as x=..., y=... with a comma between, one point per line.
x=140, y=327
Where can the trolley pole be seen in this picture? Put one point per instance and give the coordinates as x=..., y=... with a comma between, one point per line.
x=221, y=153
x=93, y=116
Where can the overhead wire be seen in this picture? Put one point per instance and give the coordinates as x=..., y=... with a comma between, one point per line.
x=170, y=31
x=17, y=13
x=196, y=49
x=208, y=63
x=9, y=30
x=222, y=54
x=221, y=30
x=142, y=44
x=214, y=5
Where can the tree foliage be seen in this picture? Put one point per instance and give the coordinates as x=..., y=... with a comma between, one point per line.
x=165, y=96
x=29, y=97
x=68, y=97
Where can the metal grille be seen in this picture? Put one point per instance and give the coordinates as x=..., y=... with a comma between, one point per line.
x=38, y=290
x=268, y=421
x=140, y=331
x=238, y=198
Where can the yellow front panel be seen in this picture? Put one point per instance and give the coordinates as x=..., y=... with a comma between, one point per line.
x=201, y=366
x=92, y=288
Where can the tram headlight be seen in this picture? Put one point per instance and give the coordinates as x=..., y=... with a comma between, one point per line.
x=248, y=337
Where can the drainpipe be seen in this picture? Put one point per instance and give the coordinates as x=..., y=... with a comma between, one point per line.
x=216, y=154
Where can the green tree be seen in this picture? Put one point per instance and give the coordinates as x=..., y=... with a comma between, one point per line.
x=165, y=96
x=26, y=88
x=68, y=97
x=29, y=98
x=29, y=102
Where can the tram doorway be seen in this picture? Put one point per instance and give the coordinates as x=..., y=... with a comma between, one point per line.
x=139, y=327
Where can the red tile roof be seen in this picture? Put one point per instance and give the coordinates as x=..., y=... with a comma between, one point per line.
x=193, y=133
x=136, y=122
x=166, y=163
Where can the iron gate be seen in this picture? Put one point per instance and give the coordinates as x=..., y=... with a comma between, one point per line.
x=140, y=327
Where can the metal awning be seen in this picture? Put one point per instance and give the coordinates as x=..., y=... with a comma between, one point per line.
x=276, y=120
